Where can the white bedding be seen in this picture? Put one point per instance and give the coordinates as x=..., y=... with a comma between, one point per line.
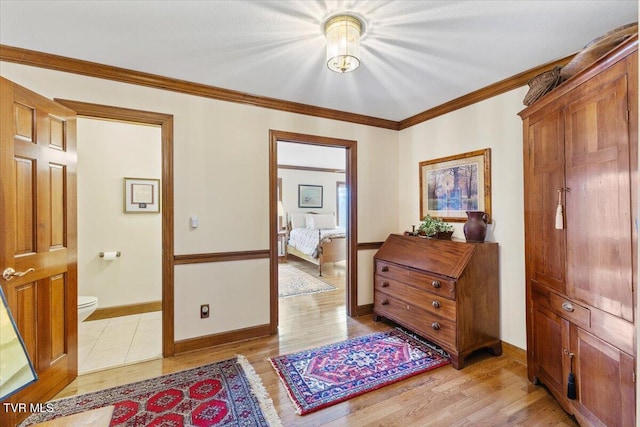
x=306, y=240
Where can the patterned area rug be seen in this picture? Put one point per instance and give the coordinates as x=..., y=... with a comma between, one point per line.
x=293, y=282
x=227, y=393
x=327, y=375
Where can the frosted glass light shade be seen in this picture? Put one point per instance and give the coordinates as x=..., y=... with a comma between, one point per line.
x=343, y=43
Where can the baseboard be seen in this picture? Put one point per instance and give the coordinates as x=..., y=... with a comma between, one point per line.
x=125, y=310
x=199, y=343
x=363, y=310
x=514, y=352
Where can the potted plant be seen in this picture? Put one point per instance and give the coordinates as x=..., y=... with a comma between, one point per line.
x=435, y=227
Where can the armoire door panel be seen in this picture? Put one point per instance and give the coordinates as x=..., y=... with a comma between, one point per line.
x=546, y=162
x=599, y=260
x=551, y=338
x=604, y=380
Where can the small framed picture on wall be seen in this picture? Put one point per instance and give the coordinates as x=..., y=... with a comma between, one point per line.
x=141, y=195
x=309, y=196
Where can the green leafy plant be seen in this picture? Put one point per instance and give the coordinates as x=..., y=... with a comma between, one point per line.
x=430, y=226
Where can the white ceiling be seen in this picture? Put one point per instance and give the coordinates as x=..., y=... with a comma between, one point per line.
x=415, y=54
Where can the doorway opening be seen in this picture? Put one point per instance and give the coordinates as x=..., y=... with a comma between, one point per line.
x=165, y=122
x=119, y=253
x=350, y=156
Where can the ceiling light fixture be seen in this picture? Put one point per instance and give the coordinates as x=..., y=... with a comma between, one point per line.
x=343, y=43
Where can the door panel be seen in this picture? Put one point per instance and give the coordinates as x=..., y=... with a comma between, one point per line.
x=25, y=197
x=546, y=163
x=56, y=206
x=37, y=220
x=26, y=315
x=551, y=338
x=604, y=378
x=599, y=202
x=57, y=316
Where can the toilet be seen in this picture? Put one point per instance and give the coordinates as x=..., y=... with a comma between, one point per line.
x=86, y=306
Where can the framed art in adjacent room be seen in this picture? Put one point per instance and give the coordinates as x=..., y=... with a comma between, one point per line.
x=450, y=186
x=309, y=196
x=141, y=195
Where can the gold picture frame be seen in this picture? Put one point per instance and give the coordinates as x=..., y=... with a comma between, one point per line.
x=141, y=195
x=451, y=186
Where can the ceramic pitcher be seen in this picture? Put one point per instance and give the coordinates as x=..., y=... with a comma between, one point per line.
x=475, y=229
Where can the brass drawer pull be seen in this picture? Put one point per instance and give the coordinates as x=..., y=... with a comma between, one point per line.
x=384, y=268
x=385, y=302
x=435, y=325
x=436, y=304
x=567, y=307
x=385, y=284
x=435, y=283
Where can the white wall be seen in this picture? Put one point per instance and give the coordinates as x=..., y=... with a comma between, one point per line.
x=494, y=124
x=314, y=156
x=292, y=153
x=292, y=178
x=221, y=174
x=108, y=151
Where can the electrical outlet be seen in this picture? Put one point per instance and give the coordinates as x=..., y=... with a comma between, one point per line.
x=204, y=311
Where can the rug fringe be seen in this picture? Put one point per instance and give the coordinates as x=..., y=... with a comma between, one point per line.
x=429, y=344
x=266, y=404
x=297, y=407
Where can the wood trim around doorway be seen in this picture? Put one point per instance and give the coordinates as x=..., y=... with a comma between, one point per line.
x=165, y=121
x=352, y=214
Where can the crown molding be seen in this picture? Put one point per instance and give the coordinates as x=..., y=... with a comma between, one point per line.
x=101, y=71
x=482, y=94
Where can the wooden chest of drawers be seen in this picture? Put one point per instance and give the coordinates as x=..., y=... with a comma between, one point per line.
x=445, y=291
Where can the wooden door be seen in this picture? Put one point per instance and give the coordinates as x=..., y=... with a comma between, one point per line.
x=550, y=352
x=599, y=259
x=544, y=176
x=38, y=229
x=604, y=381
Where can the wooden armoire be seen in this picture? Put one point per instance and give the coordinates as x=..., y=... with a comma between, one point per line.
x=581, y=208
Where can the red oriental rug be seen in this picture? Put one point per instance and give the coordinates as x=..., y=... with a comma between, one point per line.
x=327, y=375
x=227, y=393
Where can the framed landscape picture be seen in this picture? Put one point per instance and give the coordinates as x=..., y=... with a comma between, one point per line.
x=450, y=186
x=309, y=196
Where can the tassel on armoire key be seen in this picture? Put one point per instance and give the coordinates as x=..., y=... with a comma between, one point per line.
x=559, y=215
x=571, y=382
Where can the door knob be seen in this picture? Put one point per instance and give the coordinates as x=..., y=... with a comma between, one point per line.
x=10, y=273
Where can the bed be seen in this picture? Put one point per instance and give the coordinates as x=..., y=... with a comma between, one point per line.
x=315, y=238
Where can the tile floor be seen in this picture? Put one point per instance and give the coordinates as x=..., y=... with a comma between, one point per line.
x=107, y=343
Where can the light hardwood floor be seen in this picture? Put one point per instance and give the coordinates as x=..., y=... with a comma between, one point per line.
x=489, y=391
